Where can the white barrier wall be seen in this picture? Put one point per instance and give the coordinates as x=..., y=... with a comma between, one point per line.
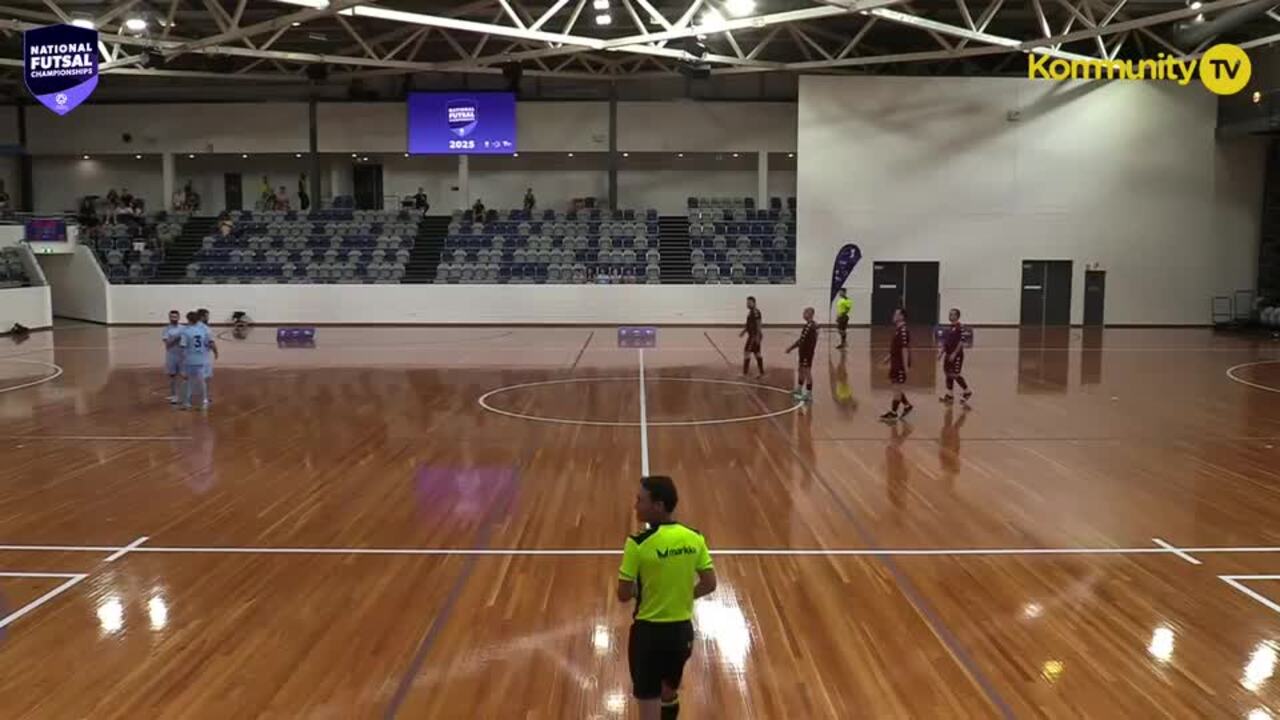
x=77, y=287
x=27, y=306
x=1127, y=175
x=467, y=304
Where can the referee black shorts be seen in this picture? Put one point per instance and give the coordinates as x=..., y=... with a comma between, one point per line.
x=657, y=653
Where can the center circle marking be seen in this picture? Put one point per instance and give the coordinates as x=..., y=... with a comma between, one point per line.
x=484, y=402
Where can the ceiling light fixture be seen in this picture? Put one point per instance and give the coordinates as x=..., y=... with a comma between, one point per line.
x=191, y=157
x=604, y=19
x=712, y=17
x=626, y=154
x=296, y=24
x=679, y=154
x=137, y=157
x=86, y=157
x=297, y=155
x=515, y=154
x=244, y=155
x=406, y=154
x=85, y=23
x=570, y=154
x=740, y=8
x=136, y=24
x=735, y=154
x=600, y=4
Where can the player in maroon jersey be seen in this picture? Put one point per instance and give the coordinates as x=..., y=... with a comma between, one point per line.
x=807, y=343
x=899, y=361
x=755, y=334
x=952, y=356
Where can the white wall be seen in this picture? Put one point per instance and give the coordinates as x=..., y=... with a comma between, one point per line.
x=382, y=127
x=28, y=306
x=185, y=128
x=1124, y=174
x=706, y=126
x=460, y=304
x=77, y=287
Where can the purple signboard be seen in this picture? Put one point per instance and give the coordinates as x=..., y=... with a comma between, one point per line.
x=60, y=65
x=462, y=123
x=46, y=230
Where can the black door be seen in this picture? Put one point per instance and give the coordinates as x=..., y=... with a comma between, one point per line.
x=922, y=293
x=888, y=280
x=912, y=286
x=233, y=191
x=1095, y=296
x=1046, y=292
x=1057, y=293
x=368, y=186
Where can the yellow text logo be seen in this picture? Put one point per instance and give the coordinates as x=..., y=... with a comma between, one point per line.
x=1223, y=69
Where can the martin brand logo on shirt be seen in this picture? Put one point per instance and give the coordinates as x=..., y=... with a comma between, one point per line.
x=60, y=65
x=463, y=117
x=682, y=550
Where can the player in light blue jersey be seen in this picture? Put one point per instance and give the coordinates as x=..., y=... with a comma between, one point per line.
x=196, y=343
x=208, y=359
x=172, y=337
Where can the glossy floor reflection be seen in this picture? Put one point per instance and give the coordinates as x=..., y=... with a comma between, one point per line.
x=349, y=534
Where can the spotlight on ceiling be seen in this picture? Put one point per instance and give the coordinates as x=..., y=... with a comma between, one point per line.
x=604, y=19
x=85, y=157
x=136, y=23
x=85, y=23
x=712, y=17
x=740, y=8
x=191, y=156
x=244, y=155
x=600, y=4
x=137, y=157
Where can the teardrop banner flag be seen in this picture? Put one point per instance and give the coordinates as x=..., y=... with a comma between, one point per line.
x=846, y=260
x=60, y=65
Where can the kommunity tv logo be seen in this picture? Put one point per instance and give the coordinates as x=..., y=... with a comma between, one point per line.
x=1223, y=69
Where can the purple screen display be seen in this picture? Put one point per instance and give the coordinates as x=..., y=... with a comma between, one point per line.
x=462, y=123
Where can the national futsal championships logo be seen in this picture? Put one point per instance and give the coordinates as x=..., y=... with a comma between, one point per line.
x=1223, y=69
x=463, y=117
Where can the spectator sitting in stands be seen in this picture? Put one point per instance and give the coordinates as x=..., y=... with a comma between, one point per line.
x=266, y=196
x=529, y=200
x=4, y=198
x=282, y=199
x=113, y=205
x=477, y=210
x=420, y=202
x=126, y=198
x=179, y=200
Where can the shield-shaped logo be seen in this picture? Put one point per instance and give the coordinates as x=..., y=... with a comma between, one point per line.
x=60, y=65
x=463, y=116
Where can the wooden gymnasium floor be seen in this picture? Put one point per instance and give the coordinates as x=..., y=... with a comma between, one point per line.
x=349, y=534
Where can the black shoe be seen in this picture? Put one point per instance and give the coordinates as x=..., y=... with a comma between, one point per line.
x=948, y=399
x=965, y=397
x=889, y=417
x=905, y=410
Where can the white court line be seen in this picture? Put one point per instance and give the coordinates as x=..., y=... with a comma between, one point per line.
x=126, y=549
x=72, y=580
x=1231, y=375
x=101, y=438
x=57, y=372
x=1176, y=551
x=1235, y=582
x=644, y=424
x=782, y=552
x=483, y=401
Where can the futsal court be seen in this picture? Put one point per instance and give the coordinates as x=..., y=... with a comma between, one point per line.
x=427, y=523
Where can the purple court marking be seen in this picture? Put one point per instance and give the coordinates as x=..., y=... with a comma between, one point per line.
x=904, y=583
x=430, y=484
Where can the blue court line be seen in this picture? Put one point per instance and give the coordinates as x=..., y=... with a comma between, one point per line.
x=451, y=600
x=908, y=589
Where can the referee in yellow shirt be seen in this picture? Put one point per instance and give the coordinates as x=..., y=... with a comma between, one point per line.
x=663, y=569
x=843, y=306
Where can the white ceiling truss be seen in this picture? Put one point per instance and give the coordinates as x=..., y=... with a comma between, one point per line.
x=277, y=40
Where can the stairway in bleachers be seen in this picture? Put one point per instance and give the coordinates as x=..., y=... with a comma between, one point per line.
x=178, y=254
x=427, y=247
x=673, y=243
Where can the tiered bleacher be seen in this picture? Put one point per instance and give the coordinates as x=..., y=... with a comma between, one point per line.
x=731, y=241
x=548, y=247
x=131, y=252
x=12, y=273
x=328, y=246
